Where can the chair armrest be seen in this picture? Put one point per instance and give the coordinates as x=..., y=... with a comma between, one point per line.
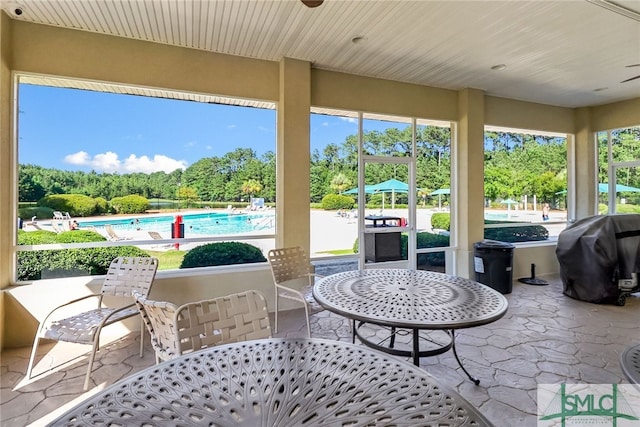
x=116, y=311
x=44, y=321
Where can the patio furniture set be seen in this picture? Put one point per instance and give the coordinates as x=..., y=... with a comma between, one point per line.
x=218, y=363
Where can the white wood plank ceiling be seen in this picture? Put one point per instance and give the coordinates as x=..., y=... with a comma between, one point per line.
x=567, y=53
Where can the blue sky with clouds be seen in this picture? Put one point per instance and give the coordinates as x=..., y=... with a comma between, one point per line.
x=82, y=130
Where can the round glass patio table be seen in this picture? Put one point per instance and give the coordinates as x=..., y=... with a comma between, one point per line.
x=278, y=382
x=416, y=300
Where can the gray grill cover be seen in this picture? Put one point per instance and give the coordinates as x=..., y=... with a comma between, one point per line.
x=595, y=253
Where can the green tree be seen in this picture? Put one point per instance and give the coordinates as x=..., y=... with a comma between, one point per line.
x=187, y=196
x=251, y=187
x=340, y=183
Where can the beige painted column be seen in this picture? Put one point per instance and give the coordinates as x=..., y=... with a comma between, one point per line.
x=293, y=155
x=585, y=165
x=7, y=167
x=469, y=178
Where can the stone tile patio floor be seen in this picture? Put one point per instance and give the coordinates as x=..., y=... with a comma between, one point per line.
x=545, y=338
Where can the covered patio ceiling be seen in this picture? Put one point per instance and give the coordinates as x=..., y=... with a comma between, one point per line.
x=565, y=53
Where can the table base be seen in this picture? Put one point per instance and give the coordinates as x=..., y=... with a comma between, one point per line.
x=386, y=342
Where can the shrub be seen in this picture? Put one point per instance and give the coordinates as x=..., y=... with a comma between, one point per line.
x=75, y=204
x=337, y=201
x=94, y=261
x=528, y=233
x=441, y=221
x=102, y=206
x=79, y=236
x=39, y=237
x=222, y=253
x=131, y=204
x=41, y=212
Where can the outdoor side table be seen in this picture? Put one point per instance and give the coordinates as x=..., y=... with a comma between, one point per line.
x=410, y=299
x=278, y=382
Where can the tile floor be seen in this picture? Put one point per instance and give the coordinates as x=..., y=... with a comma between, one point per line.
x=545, y=338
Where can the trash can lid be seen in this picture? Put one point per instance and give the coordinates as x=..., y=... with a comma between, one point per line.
x=492, y=244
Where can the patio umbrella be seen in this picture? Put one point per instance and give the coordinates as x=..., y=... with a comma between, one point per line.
x=439, y=193
x=604, y=188
x=509, y=202
x=390, y=186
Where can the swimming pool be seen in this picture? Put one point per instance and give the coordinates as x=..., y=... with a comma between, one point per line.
x=495, y=216
x=210, y=223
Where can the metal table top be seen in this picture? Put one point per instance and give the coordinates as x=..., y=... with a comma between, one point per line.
x=278, y=382
x=630, y=363
x=410, y=299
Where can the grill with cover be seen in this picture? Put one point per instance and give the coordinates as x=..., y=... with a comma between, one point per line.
x=599, y=258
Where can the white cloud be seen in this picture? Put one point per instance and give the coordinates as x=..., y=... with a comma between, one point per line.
x=349, y=119
x=110, y=162
x=79, y=158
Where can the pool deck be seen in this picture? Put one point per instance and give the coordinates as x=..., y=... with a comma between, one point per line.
x=329, y=231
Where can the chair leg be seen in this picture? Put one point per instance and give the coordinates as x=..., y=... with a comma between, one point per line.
x=96, y=344
x=306, y=313
x=142, y=328
x=275, y=330
x=32, y=358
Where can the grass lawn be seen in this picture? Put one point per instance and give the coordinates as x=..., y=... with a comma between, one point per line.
x=168, y=260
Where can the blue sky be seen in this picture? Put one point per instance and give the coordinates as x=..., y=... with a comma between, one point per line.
x=83, y=130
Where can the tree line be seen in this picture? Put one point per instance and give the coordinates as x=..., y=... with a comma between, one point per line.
x=515, y=165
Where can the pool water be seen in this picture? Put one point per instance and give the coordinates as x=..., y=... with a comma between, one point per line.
x=495, y=216
x=210, y=223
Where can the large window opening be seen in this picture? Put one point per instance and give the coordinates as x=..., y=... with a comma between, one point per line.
x=107, y=170
x=619, y=171
x=406, y=175
x=525, y=185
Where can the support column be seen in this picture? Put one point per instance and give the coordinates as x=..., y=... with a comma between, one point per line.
x=7, y=168
x=293, y=226
x=469, y=179
x=583, y=160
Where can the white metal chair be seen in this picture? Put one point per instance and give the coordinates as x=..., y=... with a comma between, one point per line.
x=125, y=275
x=293, y=278
x=197, y=325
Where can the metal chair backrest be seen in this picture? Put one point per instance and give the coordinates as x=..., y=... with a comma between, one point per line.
x=128, y=273
x=289, y=264
x=237, y=317
x=201, y=324
x=159, y=318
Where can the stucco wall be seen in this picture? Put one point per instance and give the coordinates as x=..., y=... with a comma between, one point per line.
x=35, y=48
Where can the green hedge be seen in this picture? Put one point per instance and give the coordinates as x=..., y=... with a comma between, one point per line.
x=222, y=253
x=75, y=204
x=529, y=233
x=40, y=212
x=94, y=261
x=333, y=202
x=132, y=204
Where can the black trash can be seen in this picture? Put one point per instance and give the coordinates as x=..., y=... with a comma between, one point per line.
x=180, y=231
x=493, y=264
